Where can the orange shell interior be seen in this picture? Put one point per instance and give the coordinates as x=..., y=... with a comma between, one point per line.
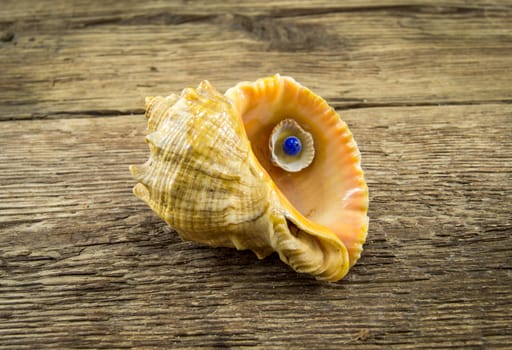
x=332, y=191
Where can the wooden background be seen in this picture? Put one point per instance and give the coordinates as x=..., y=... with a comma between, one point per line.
x=426, y=88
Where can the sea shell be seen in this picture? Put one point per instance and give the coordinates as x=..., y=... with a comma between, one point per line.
x=291, y=147
x=211, y=176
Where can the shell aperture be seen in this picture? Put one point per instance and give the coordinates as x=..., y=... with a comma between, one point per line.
x=212, y=178
x=331, y=191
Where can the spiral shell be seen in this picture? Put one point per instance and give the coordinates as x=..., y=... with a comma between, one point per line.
x=211, y=177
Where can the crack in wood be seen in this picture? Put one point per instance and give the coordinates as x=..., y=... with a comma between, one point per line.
x=364, y=105
x=403, y=8
x=338, y=104
x=161, y=18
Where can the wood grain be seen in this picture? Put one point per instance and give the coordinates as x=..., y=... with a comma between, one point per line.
x=103, y=60
x=424, y=87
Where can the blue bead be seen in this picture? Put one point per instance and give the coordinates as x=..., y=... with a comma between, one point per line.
x=292, y=145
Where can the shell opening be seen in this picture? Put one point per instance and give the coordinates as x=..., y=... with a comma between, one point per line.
x=291, y=147
x=331, y=191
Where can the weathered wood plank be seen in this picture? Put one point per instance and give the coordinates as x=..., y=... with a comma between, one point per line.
x=84, y=264
x=60, y=60
x=47, y=9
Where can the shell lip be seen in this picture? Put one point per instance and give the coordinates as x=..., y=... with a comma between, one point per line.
x=327, y=239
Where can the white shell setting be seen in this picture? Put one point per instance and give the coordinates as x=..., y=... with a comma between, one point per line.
x=291, y=163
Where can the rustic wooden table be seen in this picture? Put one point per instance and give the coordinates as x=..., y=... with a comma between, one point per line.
x=426, y=88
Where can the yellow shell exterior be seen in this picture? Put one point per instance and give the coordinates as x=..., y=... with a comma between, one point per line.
x=205, y=181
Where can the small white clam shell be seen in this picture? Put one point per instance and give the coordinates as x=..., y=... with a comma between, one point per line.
x=291, y=163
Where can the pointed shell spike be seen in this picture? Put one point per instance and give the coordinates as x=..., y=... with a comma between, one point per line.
x=291, y=147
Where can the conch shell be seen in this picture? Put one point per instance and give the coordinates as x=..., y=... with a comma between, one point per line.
x=212, y=176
